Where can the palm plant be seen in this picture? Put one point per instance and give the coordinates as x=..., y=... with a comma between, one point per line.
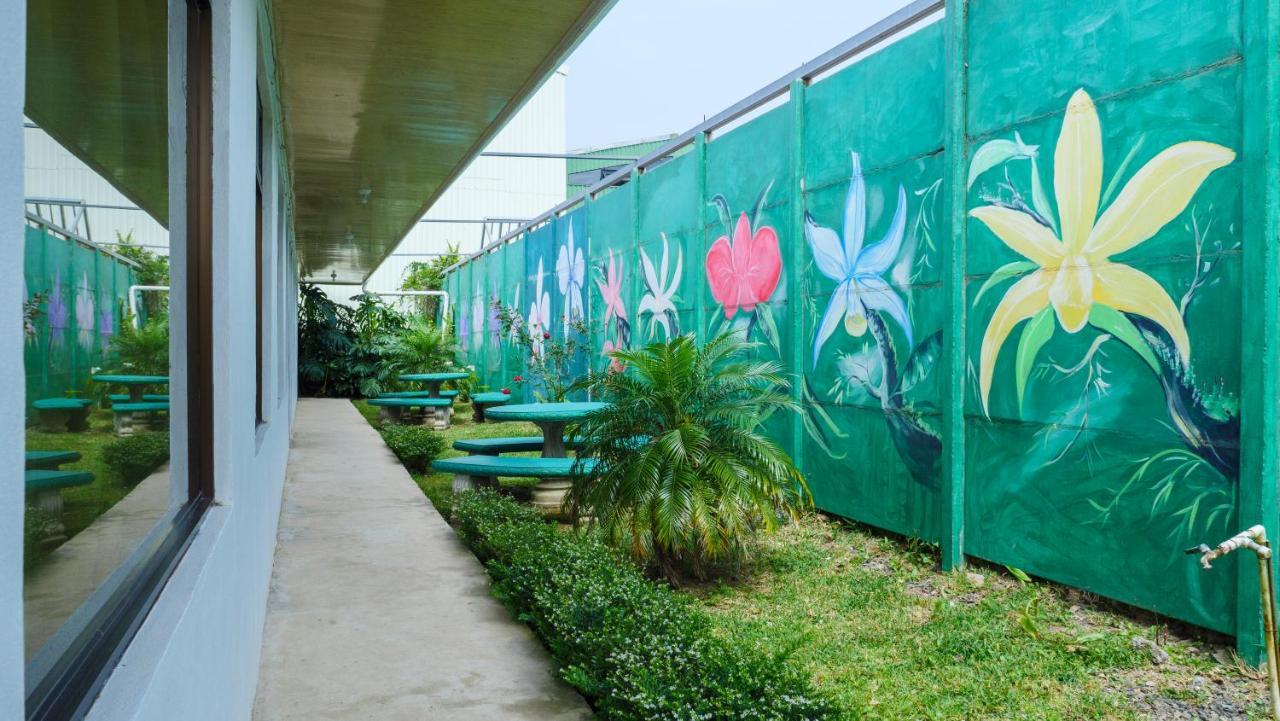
x=425, y=347
x=143, y=350
x=684, y=476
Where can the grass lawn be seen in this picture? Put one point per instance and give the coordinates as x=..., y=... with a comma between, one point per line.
x=83, y=504
x=888, y=635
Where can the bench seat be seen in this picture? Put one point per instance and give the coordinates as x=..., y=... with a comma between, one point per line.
x=436, y=410
x=509, y=444
x=132, y=416
x=48, y=480
x=151, y=397
x=554, y=476
x=383, y=402
x=514, y=466
x=59, y=415
x=481, y=401
x=50, y=460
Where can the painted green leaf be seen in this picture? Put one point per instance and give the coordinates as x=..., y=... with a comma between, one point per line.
x=993, y=153
x=1039, y=199
x=1003, y=273
x=1110, y=320
x=770, y=327
x=1035, y=334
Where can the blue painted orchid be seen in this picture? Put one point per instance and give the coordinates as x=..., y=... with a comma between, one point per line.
x=856, y=268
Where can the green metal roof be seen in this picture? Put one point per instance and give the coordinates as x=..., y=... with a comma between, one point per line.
x=583, y=162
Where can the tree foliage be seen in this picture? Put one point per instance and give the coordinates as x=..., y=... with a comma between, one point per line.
x=685, y=474
x=429, y=276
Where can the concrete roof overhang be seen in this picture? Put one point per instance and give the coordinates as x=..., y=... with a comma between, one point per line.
x=385, y=102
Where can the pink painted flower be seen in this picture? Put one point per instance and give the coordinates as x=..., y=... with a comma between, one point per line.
x=611, y=291
x=607, y=350
x=744, y=271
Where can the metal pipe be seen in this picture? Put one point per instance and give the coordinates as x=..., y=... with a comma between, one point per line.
x=880, y=31
x=1255, y=539
x=134, y=290
x=556, y=156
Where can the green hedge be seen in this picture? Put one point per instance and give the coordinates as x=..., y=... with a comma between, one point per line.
x=415, y=446
x=631, y=646
x=135, y=457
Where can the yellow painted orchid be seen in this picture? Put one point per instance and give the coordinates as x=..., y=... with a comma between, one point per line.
x=1075, y=272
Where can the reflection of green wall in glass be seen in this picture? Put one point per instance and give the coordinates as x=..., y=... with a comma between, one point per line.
x=1098, y=370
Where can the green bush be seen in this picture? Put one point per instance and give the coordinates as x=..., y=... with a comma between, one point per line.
x=135, y=457
x=415, y=446
x=634, y=648
x=37, y=527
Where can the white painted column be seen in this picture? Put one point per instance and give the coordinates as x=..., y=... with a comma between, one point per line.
x=12, y=400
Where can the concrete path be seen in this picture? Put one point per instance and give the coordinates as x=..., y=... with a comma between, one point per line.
x=376, y=610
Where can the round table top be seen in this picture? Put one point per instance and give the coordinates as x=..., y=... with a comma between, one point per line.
x=433, y=377
x=544, y=411
x=128, y=380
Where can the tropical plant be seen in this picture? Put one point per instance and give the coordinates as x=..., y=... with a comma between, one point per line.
x=553, y=363
x=684, y=474
x=153, y=269
x=145, y=350
x=429, y=276
x=425, y=347
x=324, y=337
x=415, y=446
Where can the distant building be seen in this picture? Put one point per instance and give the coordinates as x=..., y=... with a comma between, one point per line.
x=594, y=164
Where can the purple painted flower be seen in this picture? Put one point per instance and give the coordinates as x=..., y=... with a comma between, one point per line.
x=86, y=317
x=106, y=325
x=58, y=314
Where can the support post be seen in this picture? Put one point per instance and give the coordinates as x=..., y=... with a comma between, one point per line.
x=700, y=232
x=795, y=299
x=953, y=275
x=1260, y=295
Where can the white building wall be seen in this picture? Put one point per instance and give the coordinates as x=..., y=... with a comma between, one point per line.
x=491, y=187
x=12, y=401
x=51, y=172
x=196, y=655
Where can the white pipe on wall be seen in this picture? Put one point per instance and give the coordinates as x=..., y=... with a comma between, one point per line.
x=443, y=294
x=133, y=298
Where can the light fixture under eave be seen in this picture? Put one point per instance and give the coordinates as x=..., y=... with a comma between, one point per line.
x=364, y=195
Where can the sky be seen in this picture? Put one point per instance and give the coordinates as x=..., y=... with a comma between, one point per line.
x=655, y=67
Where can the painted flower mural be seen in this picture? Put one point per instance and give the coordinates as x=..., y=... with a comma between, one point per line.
x=1069, y=277
x=864, y=304
x=477, y=317
x=539, y=312
x=106, y=325
x=571, y=269
x=1074, y=274
x=58, y=313
x=86, y=315
x=743, y=270
x=858, y=268
x=659, y=300
x=617, y=329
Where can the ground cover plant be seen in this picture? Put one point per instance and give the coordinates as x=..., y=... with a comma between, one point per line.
x=415, y=446
x=631, y=646
x=135, y=457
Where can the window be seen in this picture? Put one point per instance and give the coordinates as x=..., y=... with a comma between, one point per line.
x=102, y=535
x=259, y=295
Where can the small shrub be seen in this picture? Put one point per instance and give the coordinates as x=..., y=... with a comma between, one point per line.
x=136, y=457
x=632, y=646
x=37, y=527
x=415, y=446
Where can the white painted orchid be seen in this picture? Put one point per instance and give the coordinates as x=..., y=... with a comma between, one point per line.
x=539, y=313
x=660, y=296
x=477, y=316
x=571, y=270
x=856, y=268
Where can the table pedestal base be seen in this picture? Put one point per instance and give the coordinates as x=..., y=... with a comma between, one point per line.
x=463, y=482
x=548, y=497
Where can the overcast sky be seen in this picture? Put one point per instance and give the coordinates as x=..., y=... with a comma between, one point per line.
x=654, y=67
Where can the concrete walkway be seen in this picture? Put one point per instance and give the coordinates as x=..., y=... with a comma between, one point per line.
x=376, y=610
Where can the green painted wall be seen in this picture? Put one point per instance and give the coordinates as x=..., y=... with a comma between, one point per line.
x=1011, y=297
x=83, y=300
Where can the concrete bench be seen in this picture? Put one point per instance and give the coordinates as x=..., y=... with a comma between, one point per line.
x=44, y=487
x=481, y=401
x=59, y=415
x=548, y=496
x=130, y=417
x=50, y=460
x=146, y=397
x=509, y=444
x=417, y=394
x=437, y=410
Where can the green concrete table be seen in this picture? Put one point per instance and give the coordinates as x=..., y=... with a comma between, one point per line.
x=551, y=418
x=433, y=381
x=134, y=383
